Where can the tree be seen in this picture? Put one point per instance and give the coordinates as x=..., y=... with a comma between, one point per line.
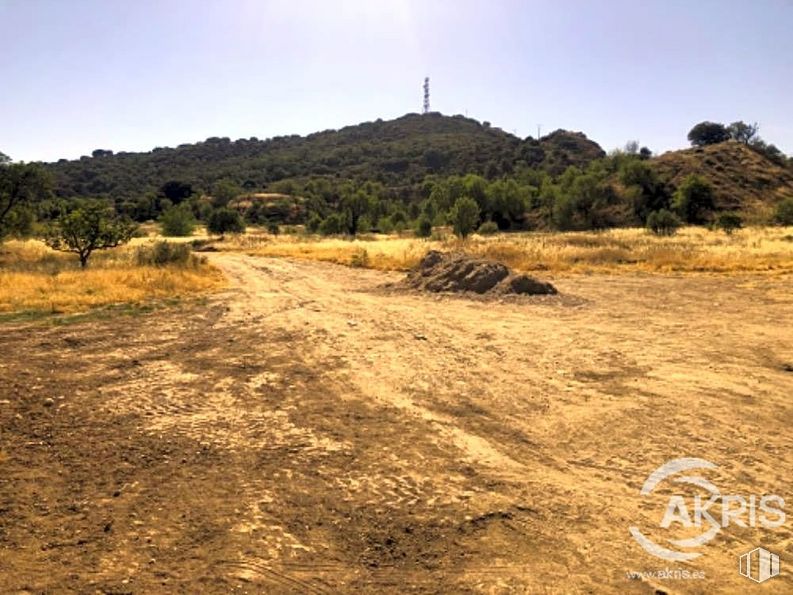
x=464, y=216
x=91, y=225
x=331, y=225
x=177, y=221
x=663, y=222
x=356, y=204
x=225, y=220
x=4, y=158
x=20, y=185
x=708, y=133
x=693, y=200
x=224, y=191
x=648, y=192
x=743, y=133
x=423, y=226
x=176, y=191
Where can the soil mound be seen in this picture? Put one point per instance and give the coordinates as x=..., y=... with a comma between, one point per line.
x=459, y=273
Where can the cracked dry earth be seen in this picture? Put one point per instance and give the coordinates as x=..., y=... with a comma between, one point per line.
x=308, y=432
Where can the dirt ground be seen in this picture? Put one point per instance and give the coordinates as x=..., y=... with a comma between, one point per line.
x=308, y=432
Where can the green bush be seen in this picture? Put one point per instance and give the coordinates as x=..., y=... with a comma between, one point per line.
x=177, y=222
x=384, y=225
x=273, y=229
x=663, y=222
x=222, y=221
x=332, y=225
x=729, y=222
x=488, y=228
x=784, y=212
x=693, y=200
x=423, y=227
x=166, y=253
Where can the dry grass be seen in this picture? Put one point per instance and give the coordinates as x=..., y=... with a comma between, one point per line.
x=756, y=249
x=34, y=278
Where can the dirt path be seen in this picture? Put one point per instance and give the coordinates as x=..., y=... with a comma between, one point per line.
x=308, y=432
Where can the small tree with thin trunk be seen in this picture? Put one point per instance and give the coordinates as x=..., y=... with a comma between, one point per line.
x=464, y=216
x=91, y=226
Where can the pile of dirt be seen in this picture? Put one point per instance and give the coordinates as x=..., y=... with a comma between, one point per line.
x=460, y=273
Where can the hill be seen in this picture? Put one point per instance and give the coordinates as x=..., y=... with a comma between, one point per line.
x=742, y=178
x=397, y=153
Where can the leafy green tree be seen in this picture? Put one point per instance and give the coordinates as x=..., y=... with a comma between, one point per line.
x=663, y=222
x=333, y=224
x=4, y=158
x=693, y=200
x=477, y=188
x=313, y=223
x=783, y=214
x=743, y=133
x=224, y=220
x=223, y=192
x=464, y=216
x=176, y=191
x=178, y=221
x=584, y=200
x=507, y=202
x=648, y=192
x=729, y=222
x=21, y=185
x=708, y=133
x=423, y=226
x=91, y=225
x=356, y=204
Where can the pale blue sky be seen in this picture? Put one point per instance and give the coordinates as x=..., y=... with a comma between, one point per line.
x=76, y=75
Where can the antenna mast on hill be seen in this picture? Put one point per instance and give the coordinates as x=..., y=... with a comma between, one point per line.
x=426, y=95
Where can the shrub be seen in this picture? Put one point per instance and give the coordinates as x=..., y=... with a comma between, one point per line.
x=359, y=258
x=784, y=212
x=423, y=227
x=464, y=216
x=273, y=229
x=384, y=225
x=313, y=223
x=488, y=228
x=332, y=224
x=729, y=222
x=693, y=200
x=177, y=222
x=222, y=221
x=663, y=222
x=166, y=253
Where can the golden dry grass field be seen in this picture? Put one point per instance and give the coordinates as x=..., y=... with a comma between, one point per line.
x=35, y=278
x=693, y=249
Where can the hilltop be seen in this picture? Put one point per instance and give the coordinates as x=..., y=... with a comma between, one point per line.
x=396, y=153
x=742, y=178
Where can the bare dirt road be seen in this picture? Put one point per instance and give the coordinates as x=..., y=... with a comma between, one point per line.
x=309, y=432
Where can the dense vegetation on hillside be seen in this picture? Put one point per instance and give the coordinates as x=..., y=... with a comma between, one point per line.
x=398, y=154
x=419, y=171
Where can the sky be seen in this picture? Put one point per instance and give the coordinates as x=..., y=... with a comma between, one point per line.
x=78, y=75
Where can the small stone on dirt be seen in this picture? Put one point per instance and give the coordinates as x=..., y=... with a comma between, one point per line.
x=49, y=402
